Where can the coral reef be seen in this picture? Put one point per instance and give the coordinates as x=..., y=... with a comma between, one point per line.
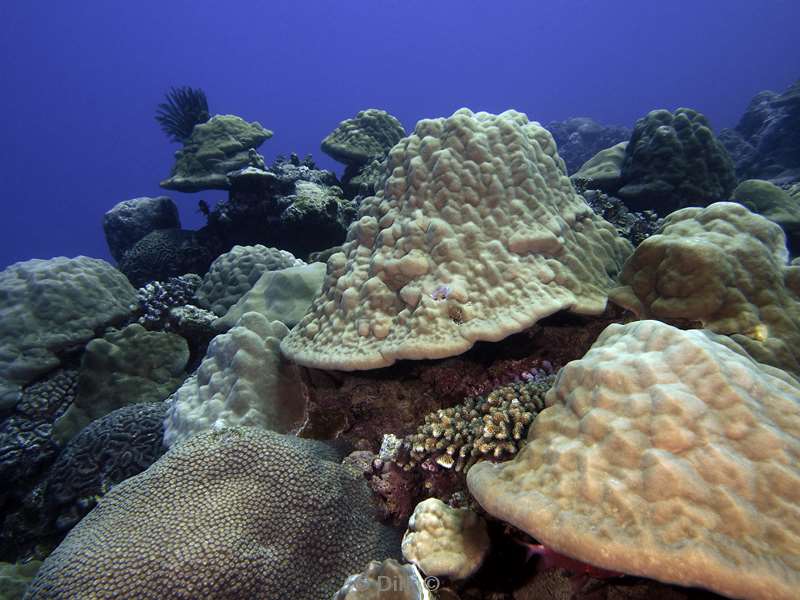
x=128, y=366
x=185, y=107
x=633, y=226
x=131, y=220
x=492, y=426
x=50, y=306
x=283, y=295
x=580, y=138
x=603, y=171
x=243, y=380
x=666, y=454
x=370, y=134
x=214, y=149
x=725, y=269
x=764, y=144
x=249, y=514
x=166, y=253
x=444, y=541
x=232, y=274
x=157, y=298
x=477, y=205
x=775, y=203
x=673, y=160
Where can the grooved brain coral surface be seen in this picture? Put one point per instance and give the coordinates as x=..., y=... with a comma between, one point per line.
x=726, y=269
x=477, y=234
x=243, y=380
x=227, y=515
x=49, y=305
x=665, y=454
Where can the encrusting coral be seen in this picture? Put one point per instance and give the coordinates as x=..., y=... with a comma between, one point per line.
x=476, y=235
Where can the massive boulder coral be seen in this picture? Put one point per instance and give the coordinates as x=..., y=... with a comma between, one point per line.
x=124, y=367
x=371, y=133
x=665, y=454
x=775, y=203
x=49, y=306
x=215, y=148
x=230, y=514
x=673, y=160
x=444, y=541
x=131, y=220
x=283, y=295
x=477, y=234
x=725, y=269
x=232, y=274
x=243, y=380
x=580, y=138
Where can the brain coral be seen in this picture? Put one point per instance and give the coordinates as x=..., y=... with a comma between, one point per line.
x=230, y=514
x=665, y=454
x=232, y=274
x=725, y=269
x=477, y=234
x=243, y=380
x=47, y=306
x=370, y=133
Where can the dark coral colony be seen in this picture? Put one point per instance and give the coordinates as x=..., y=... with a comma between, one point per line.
x=492, y=360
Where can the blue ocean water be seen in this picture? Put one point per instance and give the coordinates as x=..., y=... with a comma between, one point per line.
x=82, y=80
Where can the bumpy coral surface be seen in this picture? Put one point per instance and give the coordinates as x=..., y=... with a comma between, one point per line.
x=491, y=426
x=215, y=148
x=666, y=454
x=124, y=367
x=243, y=380
x=231, y=514
x=725, y=269
x=444, y=541
x=158, y=297
x=282, y=295
x=387, y=580
x=47, y=306
x=370, y=133
x=232, y=274
x=131, y=220
x=477, y=235
x=673, y=160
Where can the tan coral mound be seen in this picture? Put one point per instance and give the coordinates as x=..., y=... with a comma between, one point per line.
x=665, y=454
x=477, y=234
x=725, y=269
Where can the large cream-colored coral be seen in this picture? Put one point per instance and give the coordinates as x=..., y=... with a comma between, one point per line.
x=444, y=541
x=476, y=235
x=725, y=269
x=665, y=454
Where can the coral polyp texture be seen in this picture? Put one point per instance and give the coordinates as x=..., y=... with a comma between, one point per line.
x=444, y=541
x=243, y=380
x=665, y=454
x=232, y=514
x=476, y=235
x=725, y=269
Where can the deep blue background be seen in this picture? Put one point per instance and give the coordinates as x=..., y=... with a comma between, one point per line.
x=81, y=81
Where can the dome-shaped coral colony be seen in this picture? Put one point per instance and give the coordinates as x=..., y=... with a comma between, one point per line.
x=667, y=449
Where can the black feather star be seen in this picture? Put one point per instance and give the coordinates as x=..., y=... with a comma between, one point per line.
x=185, y=107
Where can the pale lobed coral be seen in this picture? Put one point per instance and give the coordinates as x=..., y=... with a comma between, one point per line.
x=478, y=203
x=243, y=380
x=666, y=454
x=444, y=541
